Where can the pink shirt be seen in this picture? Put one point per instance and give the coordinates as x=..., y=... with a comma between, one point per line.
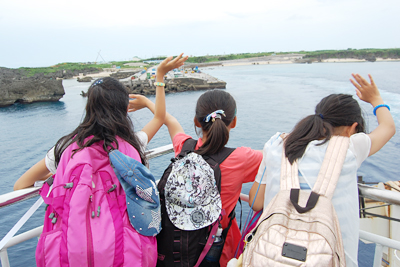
x=240, y=167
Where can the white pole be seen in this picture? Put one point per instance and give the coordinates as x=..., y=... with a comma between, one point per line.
x=378, y=255
x=4, y=258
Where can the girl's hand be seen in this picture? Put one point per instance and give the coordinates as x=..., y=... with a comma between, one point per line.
x=169, y=64
x=367, y=92
x=137, y=102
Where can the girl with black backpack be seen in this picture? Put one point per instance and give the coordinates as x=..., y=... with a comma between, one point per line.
x=216, y=117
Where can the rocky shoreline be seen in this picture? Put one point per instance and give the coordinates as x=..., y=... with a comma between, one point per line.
x=16, y=86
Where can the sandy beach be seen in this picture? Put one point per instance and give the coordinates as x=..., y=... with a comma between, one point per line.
x=291, y=59
x=274, y=59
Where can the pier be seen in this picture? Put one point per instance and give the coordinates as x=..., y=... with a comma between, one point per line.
x=175, y=81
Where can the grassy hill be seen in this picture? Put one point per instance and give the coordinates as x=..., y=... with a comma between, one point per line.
x=367, y=53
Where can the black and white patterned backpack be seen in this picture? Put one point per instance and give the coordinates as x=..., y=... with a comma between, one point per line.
x=191, y=206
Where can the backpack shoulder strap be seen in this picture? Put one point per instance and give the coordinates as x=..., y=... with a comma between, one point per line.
x=327, y=178
x=290, y=181
x=221, y=155
x=331, y=166
x=215, y=160
x=289, y=173
x=188, y=146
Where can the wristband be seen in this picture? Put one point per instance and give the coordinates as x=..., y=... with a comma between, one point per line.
x=159, y=84
x=379, y=106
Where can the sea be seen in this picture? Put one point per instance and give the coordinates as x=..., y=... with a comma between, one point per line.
x=270, y=99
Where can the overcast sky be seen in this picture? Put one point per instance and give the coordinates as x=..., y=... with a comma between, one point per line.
x=46, y=32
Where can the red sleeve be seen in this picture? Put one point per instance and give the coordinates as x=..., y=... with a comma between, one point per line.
x=178, y=141
x=244, y=161
x=254, y=158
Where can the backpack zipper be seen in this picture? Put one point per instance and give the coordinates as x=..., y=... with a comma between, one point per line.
x=89, y=233
x=91, y=205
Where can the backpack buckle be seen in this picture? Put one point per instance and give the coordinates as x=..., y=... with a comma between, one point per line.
x=69, y=185
x=114, y=186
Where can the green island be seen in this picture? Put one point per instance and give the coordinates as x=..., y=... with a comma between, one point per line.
x=369, y=54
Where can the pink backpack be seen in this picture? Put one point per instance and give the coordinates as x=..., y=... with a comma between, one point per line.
x=86, y=221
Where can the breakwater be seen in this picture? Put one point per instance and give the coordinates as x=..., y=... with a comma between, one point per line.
x=188, y=82
x=142, y=82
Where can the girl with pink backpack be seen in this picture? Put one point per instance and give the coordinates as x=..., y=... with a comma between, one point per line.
x=90, y=220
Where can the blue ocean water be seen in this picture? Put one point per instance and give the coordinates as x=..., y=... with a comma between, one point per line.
x=269, y=98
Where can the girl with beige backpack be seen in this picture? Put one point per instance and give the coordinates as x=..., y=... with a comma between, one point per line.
x=322, y=153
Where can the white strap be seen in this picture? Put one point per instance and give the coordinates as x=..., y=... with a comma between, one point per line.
x=329, y=173
x=331, y=166
x=21, y=222
x=289, y=173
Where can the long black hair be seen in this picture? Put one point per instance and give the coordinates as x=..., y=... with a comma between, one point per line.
x=216, y=131
x=105, y=118
x=332, y=111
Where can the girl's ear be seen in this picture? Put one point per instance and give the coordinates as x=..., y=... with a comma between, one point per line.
x=353, y=129
x=196, y=122
x=348, y=130
x=233, y=123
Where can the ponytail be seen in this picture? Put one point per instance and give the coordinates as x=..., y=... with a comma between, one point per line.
x=310, y=128
x=223, y=106
x=332, y=111
x=217, y=138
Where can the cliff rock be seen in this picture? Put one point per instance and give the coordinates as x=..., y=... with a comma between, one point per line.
x=29, y=90
x=17, y=87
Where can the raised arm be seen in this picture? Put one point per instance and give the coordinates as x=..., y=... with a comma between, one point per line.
x=37, y=172
x=140, y=101
x=369, y=93
x=158, y=109
x=174, y=127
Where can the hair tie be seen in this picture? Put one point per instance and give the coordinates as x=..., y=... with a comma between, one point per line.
x=214, y=115
x=322, y=117
x=98, y=82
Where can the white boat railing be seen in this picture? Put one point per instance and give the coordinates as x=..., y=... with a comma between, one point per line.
x=370, y=192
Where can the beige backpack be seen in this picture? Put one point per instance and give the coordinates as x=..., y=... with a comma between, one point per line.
x=291, y=234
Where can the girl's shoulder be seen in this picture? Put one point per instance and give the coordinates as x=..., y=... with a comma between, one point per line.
x=142, y=138
x=360, y=145
x=275, y=141
x=244, y=155
x=178, y=141
x=360, y=139
x=128, y=149
x=50, y=160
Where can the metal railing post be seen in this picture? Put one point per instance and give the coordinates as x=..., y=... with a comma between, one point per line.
x=378, y=255
x=4, y=258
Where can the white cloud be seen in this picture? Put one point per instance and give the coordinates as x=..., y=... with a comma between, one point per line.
x=60, y=31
